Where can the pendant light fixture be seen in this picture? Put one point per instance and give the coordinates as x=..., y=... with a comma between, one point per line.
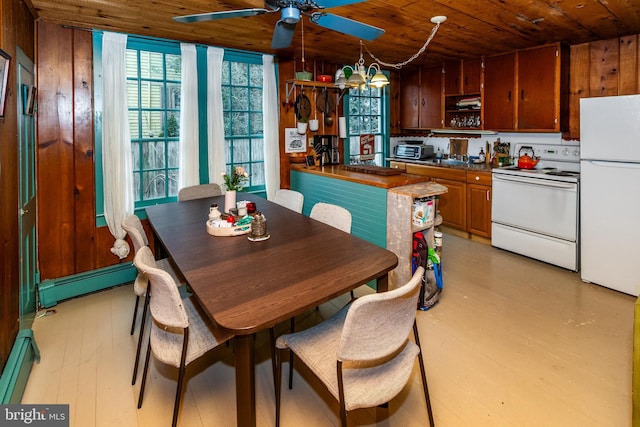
x=361, y=76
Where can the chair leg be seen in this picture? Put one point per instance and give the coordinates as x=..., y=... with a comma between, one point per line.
x=183, y=368
x=144, y=374
x=274, y=368
x=140, y=335
x=135, y=315
x=423, y=374
x=278, y=384
x=343, y=408
x=293, y=326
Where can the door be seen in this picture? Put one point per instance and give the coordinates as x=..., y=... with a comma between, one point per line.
x=609, y=232
x=27, y=187
x=431, y=97
x=409, y=94
x=537, y=88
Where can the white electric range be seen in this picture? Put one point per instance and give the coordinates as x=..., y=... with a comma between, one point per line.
x=535, y=212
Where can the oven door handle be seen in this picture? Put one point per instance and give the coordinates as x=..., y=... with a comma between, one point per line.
x=534, y=181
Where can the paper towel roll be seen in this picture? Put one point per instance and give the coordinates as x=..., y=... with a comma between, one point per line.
x=342, y=127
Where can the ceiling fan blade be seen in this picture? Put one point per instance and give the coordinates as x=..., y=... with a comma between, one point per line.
x=346, y=26
x=335, y=3
x=210, y=16
x=282, y=35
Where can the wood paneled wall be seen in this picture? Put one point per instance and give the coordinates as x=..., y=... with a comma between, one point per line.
x=68, y=240
x=603, y=68
x=17, y=30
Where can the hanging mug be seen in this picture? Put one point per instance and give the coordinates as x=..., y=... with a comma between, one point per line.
x=313, y=125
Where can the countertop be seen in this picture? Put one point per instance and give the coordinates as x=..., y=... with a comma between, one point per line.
x=337, y=172
x=477, y=167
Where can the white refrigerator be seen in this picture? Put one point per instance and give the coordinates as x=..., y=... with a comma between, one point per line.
x=610, y=192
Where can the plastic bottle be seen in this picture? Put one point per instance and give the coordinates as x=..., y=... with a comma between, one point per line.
x=439, y=154
x=481, y=156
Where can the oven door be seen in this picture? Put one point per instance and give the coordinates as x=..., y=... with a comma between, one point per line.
x=536, y=205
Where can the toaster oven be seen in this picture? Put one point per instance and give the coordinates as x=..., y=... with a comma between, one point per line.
x=413, y=151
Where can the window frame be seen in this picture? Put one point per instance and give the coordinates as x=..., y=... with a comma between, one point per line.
x=385, y=127
x=153, y=44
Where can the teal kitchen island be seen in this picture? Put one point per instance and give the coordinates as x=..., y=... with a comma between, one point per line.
x=380, y=205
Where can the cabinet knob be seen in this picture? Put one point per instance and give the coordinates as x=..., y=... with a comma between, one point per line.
x=477, y=178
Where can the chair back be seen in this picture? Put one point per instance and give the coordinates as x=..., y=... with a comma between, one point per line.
x=378, y=325
x=289, y=199
x=134, y=229
x=165, y=304
x=333, y=215
x=199, y=192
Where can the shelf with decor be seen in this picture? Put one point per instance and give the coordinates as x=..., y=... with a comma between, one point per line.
x=463, y=111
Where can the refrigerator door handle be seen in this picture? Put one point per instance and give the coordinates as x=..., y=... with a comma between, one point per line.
x=624, y=165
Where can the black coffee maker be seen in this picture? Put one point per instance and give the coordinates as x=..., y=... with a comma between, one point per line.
x=327, y=149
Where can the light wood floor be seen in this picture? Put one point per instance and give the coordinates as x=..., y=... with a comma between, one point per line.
x=513, y=342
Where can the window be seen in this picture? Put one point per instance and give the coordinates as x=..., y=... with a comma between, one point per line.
x=243, y=129
x=153, y=97
x=366, y=113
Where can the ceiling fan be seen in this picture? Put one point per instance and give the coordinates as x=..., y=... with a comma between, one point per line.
x=290, y=14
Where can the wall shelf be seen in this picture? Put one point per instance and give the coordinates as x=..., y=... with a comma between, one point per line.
x=291, y=85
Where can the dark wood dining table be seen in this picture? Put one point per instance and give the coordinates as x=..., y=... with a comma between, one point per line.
x=248, y=286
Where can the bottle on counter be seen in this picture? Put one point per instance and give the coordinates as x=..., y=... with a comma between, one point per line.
x=439, y=154
x=481, y=156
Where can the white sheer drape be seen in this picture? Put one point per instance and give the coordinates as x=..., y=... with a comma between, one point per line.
x=271, y=123
x=189, y=173
x=215, y=117
x=117, y=167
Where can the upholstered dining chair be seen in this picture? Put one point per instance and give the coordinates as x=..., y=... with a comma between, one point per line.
x=333, y=215
x=289, y=199
x=135, y=230
x=179, y=334
x=363, y=362
x=199, y=192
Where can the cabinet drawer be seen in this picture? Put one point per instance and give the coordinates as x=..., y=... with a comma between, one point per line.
x=398, y=165
x=437, y=172
x=481, y=178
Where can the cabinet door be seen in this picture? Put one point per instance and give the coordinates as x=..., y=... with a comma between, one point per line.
x=409, y=99
x=479, y=210
x=431, y=97
x=499, y=92
x=471, y=75
x=453, y=204
x=537, y=97
x=452, y=77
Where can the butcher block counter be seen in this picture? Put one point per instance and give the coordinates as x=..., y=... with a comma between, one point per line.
x=374, y=176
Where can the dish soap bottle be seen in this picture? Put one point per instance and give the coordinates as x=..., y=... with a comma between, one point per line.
x=481, y=156
x=439, y=154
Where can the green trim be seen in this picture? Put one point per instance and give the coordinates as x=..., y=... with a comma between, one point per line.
x=52, y=291
x=97, y=126
x=203, y=136
x=16, y=371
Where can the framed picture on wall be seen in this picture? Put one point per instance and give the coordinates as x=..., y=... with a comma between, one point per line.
x=5, y=59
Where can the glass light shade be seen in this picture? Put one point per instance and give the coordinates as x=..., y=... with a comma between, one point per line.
x=356, y=80
x=341, y=82
x=379, y=80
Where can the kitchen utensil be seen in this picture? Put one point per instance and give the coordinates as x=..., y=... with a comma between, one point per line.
x=302, y=107
x=525, y=161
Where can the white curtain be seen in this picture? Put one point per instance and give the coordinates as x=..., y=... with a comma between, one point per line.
x=189, y=173
x=215, y=118
x=116, y=141
x=271, y=122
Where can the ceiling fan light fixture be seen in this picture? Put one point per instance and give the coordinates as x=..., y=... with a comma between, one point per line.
x=290, y=15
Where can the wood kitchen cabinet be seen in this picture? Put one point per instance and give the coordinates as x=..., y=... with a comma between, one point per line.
x=499, y=92
x=453, y=204
x=463, y=81
x=479, y=203
x=421, y=98
x=527, y=90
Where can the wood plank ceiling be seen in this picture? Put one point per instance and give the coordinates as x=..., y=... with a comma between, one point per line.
x=473, y=28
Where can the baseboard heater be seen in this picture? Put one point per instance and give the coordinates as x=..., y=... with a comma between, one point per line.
x=53, y=290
